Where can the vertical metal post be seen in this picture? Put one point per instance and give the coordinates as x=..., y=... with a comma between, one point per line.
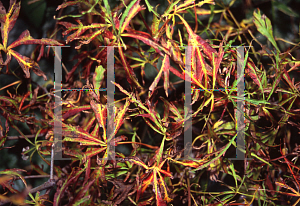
x=187, y=105
x=239, y=112
x=57, y=131
x=110, y=103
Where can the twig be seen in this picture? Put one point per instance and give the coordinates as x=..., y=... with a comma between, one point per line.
x=33, y=176
x=21, y=137
x=50, y=183
x=32, y=1
x=189, y=191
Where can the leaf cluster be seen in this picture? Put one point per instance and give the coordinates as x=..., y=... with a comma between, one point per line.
x=131, y=149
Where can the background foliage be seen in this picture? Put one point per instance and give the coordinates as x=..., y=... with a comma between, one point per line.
x=149, y=102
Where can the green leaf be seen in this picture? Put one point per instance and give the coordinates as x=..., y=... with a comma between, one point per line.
x=264, y=26
x=98, y=78
x=284, y=8
x=223, y=150
x=106, y=4
x=254, y=155
x=132, y=9
x=233, y=174
x=252, y=101
x=150, y=8
x=160, y=151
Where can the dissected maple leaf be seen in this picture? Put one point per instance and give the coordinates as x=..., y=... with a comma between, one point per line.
x=8, y=20
x=80, y=29
x=151, y=179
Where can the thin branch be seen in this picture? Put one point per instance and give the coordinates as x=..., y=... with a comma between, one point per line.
x=21, y=137
x=33, y=176
x=50, y=183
